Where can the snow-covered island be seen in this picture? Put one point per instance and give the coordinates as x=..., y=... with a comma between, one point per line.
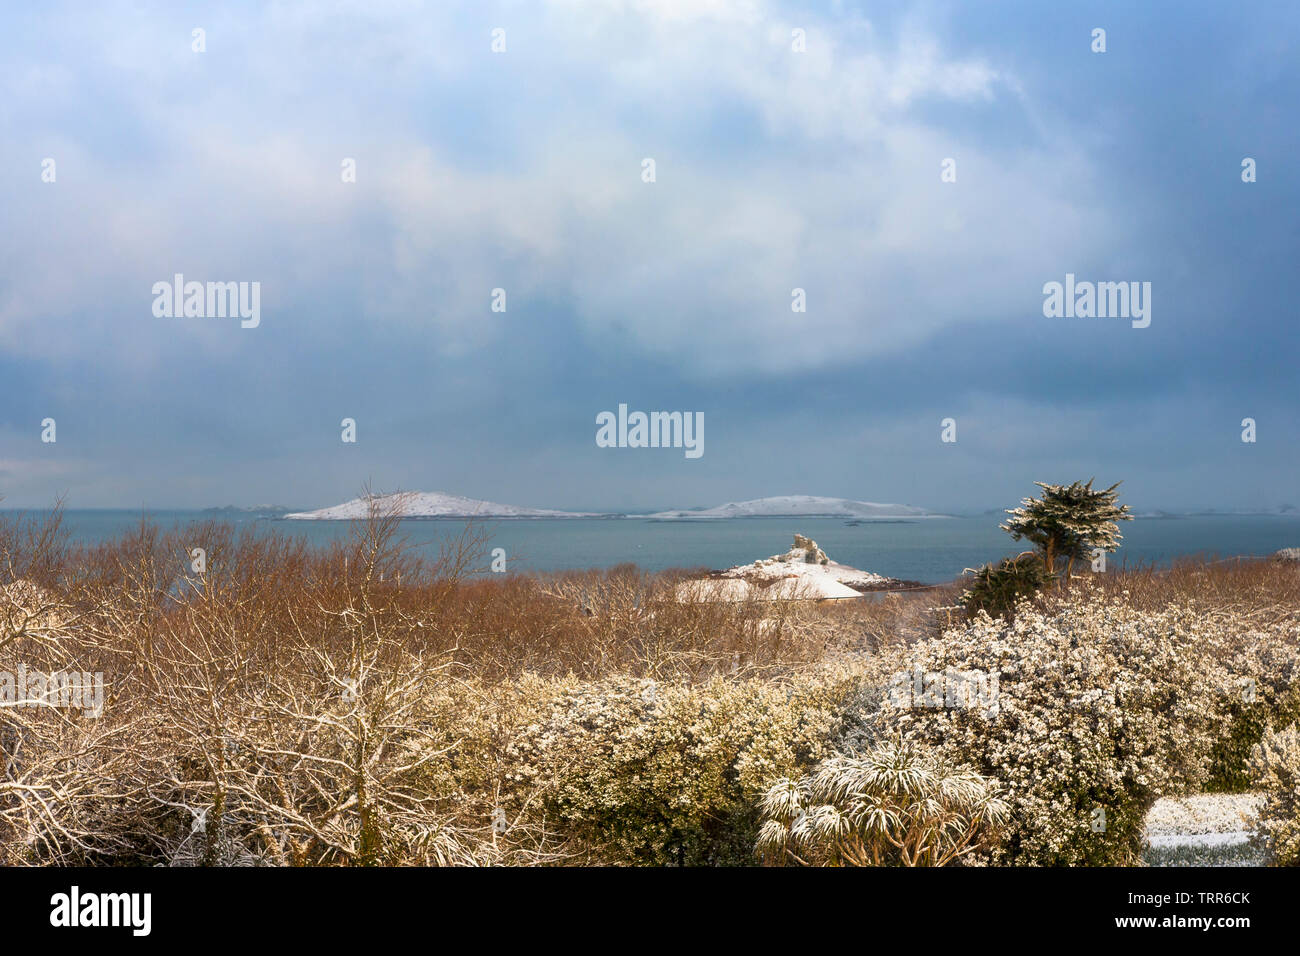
x=440, y=504
x=803, y=506
x=431, y=504
x=804, y=571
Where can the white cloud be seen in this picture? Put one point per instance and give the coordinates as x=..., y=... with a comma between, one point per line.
x=836, y=191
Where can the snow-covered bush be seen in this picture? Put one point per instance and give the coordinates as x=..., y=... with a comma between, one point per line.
x=1102, y=708
x=1276, y=762
x=1262, y=692
x=896, y=805
x=639, y=772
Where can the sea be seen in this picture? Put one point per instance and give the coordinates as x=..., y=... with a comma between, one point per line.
x=926, y=550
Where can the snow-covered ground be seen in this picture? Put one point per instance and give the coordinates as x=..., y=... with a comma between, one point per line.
x=802, y=506
x=1212, y=829
x=808, y=587
x=430, y=504
x=804, y=571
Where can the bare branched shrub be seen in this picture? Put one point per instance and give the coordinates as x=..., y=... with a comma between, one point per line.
x=59, y=765
x=361, y=703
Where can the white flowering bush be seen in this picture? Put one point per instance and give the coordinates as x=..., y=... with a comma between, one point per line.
x=640, y=772
x=1276, y=762
x=1102, y=708
x=895, y=805
x=1262, y=691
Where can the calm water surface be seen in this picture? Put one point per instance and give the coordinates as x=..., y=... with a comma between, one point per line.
x=929, y=550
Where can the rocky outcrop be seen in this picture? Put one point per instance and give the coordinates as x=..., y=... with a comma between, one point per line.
x=805, y=551
x=802, y=573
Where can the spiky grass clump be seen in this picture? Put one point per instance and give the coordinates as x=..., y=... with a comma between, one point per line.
x=894, y=806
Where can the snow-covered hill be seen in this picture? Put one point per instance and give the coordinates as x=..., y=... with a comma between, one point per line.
x=802, y=506
x=430, y=504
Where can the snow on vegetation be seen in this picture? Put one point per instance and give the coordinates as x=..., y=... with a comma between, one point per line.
x=26, y=606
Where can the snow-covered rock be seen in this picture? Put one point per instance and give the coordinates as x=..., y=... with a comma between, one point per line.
x=429, y=504
x=808, y=561
x=801, y=506
x=805, y=551
x=804, y=571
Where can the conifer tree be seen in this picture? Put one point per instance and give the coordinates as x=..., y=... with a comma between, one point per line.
x=1068, y=522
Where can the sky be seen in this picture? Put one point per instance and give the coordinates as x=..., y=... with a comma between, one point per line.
x=794, y=146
